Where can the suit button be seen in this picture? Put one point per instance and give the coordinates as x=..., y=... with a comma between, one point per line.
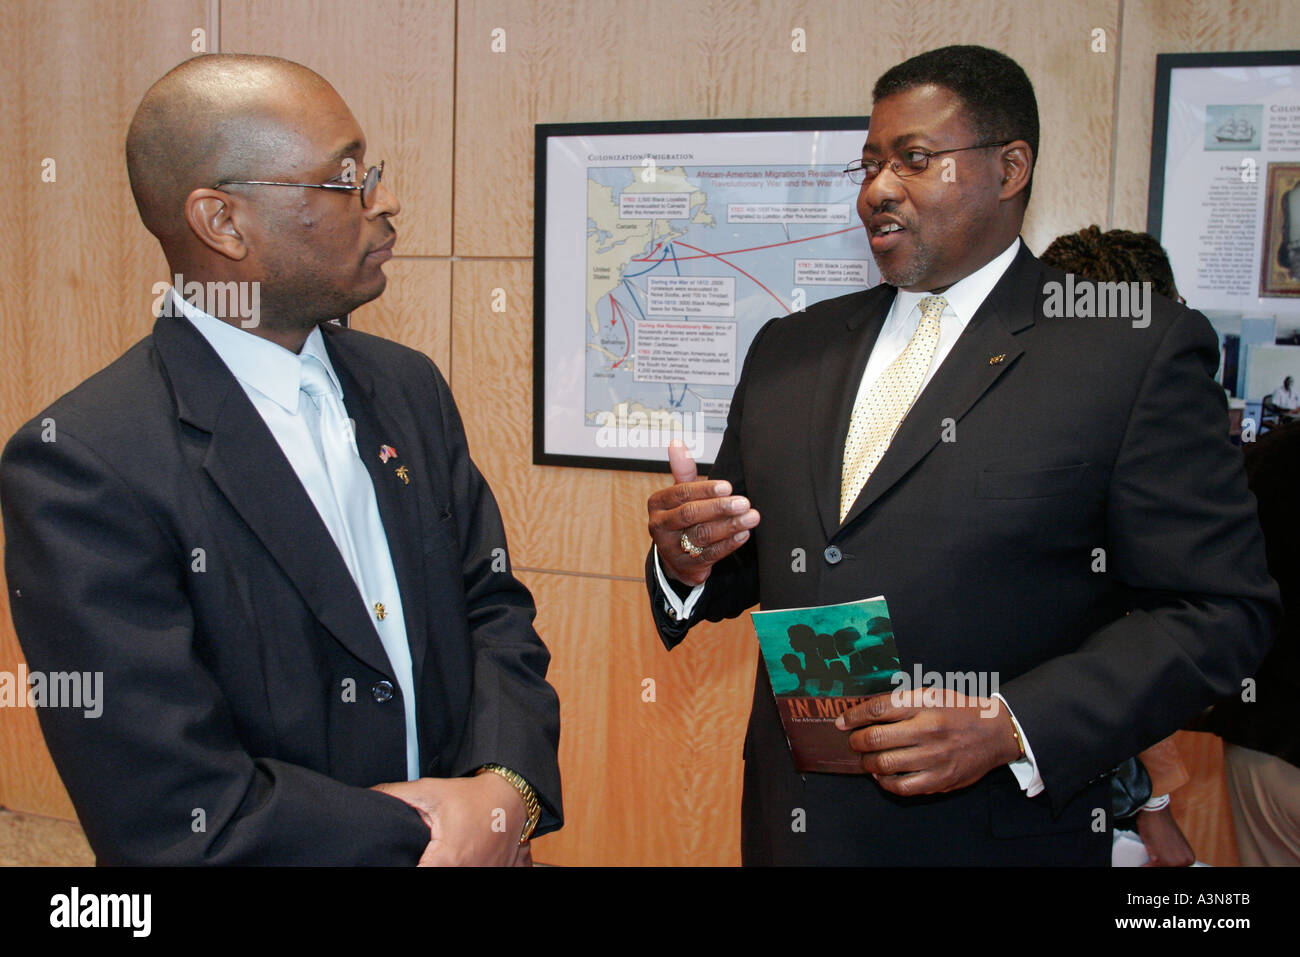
x=832, y=555
x=383, y=691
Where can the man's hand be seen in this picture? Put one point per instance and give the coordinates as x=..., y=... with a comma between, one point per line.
x=713, y=519
x=913, y=748
x=1164, y=840
x=472, y=821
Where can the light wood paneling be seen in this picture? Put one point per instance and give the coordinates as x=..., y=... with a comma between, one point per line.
x=677, y=59
x=650, y=782
x=585, y=520
x=1202, y=807
x=415, y=308
x=392, y=62
x=76, y=266
x=1178, y=26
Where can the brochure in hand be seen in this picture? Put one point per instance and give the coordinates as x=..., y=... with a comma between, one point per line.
x=822, y=661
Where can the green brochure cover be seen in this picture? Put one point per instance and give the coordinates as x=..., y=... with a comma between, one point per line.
x=822, y=661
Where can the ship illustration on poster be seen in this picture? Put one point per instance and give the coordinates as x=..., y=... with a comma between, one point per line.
x=1236, y=130
x=1233, y=126
x=822, y=661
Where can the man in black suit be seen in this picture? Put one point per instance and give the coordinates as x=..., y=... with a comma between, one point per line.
x=1044, y=493
x=266, y=532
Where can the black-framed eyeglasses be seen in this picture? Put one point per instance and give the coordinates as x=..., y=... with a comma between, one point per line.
x=907, y=162
x=366, y=189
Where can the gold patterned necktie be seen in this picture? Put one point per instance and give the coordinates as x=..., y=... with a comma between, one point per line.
x=878, y=414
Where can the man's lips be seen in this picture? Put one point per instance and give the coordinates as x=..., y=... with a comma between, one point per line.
x=385, y=251
x=884, y=233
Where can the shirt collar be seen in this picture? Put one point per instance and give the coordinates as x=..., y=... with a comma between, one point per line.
x=259, y=363
x=967, y=294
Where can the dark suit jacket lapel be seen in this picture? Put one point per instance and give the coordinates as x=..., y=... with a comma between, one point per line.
x=966, y=374
x=247, y=465
x=370, y=401
x=842, y=367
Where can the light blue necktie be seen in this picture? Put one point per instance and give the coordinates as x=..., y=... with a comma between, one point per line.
x=360, y=532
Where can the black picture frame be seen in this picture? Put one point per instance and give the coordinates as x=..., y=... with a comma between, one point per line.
x=1166, y=63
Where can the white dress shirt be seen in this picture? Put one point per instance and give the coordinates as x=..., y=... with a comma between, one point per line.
x=270, y=376
x=964, y=299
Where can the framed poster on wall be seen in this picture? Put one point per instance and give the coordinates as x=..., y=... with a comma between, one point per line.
x=661, y=249
x=1225, y=204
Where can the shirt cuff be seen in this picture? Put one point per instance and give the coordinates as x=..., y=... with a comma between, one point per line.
x=677, y=608
x=1025, y=769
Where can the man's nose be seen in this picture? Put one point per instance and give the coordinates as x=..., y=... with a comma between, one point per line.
x=385, y=202
x=887, y=187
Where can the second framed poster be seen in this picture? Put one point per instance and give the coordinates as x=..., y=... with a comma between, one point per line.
x=661, y=250
x=1225, y=203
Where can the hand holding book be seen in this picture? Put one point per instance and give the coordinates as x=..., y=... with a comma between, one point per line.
x=848, y=707
x=912, y=743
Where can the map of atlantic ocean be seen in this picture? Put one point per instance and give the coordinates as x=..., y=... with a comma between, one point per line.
x=684, y=264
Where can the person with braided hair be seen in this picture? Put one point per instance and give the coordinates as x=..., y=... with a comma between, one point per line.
x=1118, y=255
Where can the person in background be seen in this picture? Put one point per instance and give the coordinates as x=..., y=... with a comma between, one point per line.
x=1284, y=397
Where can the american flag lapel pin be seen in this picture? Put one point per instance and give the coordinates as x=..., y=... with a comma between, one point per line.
x=387, y=452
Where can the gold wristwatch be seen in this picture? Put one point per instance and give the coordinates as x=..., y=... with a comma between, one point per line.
x=531, y=805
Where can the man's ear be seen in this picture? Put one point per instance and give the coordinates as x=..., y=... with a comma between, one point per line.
x=209, y=215
x=1017, y=161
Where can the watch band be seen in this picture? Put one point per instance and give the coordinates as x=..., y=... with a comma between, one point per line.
x=532, y=807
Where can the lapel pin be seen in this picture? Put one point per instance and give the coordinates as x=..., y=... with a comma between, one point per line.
x=387, y=452
x=997, y=360
x=380, y=611
x=402, y=474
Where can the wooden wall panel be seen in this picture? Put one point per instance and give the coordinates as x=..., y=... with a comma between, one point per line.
x=1178, y=26
x=392, y=62
x=583, y=520
x=1202, y=807
x=76, y=266
x=415, y=308
x=610, y=60
x=650, y=782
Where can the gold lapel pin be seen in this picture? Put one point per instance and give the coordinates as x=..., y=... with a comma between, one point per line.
x=403, y=474
x=997, y=360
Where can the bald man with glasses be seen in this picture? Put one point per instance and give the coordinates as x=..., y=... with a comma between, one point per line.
x=265, y=530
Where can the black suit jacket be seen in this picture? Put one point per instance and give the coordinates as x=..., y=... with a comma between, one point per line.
x=156, y=533
x=1038, y=442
